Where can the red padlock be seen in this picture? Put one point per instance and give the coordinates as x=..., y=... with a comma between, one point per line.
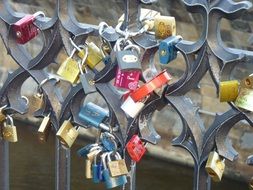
x=127, y=79
x=150, y=86
x=136, y=148
x=24, y=29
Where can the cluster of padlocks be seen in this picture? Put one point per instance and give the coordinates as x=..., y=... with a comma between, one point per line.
x=118, y=61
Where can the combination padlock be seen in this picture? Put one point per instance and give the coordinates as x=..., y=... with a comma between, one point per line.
x=67, y=134
x=118, y=166
x=145, y=90
x=228, y=91
x=9, y=131
x=245, y=97
x=168, y=50
x=132, y=108
x=164, y=26
x=24, y=29
x=44, y=129
x=135, y=148
x=93, y=115
x=215, y=166
x=69, y=69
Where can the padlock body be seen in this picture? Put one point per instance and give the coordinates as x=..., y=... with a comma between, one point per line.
x=25, y=30
x=215, y=167
x=245, y=99
x=87, y=80
x=165, y=26
x=135, y=148
x=44, y=129
x=69, y=70
x=88, y=171
x=2, y=115
x=92, y=115
x=95, y=173
x=112, y=182
x=9, y=133
x=167, y=50
x=127, y=60
x=229, y=91
x=35, y=102
x=67, y=134
x=127, y=79
x=117, y=167
x=132, y=108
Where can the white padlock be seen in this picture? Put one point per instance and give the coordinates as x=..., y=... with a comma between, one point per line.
x=132, y=108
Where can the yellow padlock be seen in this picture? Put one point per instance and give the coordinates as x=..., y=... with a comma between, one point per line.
x=9, y=131
x=44, y=129
x=229, y=90
x=165, y=26
x=69, y=69
x=67, y=134
x=95, y=55
x=88, y=169
x=2, y=115
x=215, y=166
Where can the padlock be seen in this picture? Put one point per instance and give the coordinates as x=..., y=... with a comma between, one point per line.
x=228, y=90
x=215, y=166
x=157, y=82
x=2, y=115
x=69, y=69
x=88, y=169
x=67, y=134
x=9, y=131
x=85, y=150
x=96, y=169
x=245, y=97
x=44, y=129
x=164, y=26
x=93, y=115
x=127, y=79
x=93, y=152
x=94, y=57
x=135, y=148
x=111, y=182
x=35, y=102
x=24, y=29
x=108, y=141
x=132, y=108
x=117, y=167
x=167, y=49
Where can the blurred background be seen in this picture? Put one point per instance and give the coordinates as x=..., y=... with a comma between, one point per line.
x=164, y=167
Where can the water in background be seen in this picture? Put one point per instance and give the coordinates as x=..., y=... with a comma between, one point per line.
x=32, y=168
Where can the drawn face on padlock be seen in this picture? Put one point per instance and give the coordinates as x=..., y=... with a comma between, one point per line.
x=24, y=29
x=67, y=134
x=9, y=131
x=215, y=166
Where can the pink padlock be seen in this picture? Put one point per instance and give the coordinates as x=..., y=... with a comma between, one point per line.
x=127, y=79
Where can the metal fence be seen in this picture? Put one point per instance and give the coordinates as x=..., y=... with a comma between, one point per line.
x=207, y=54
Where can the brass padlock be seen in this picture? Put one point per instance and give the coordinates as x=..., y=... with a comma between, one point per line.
x=2, y=115
x=245, y=97
x=215, y=166
x=35, y=102
x=229, y=91
x=44, y=129
x=9, y=131
x=69, y=69
x=117, y=167
x=95, y=55
x=67, y=134
x=88, y=169
x=164, y=26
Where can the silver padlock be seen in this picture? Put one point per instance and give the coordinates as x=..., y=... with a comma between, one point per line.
x=132, y=108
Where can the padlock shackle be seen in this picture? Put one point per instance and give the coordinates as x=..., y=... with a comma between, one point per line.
x=39, y=13
x=132, y=46
x=103, y=157
x=26, y=99
x=43, y=82
x=101, y=27
x=10, y=119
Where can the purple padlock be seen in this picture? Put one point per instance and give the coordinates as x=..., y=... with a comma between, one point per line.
x=127, y=79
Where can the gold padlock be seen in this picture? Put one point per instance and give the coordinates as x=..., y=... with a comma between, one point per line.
x=215, y=166
x=67, y=134
x=117, y=167
x=69, y=69
x=35, y=102
x=229, y=91
x=9, y=131
x=44, y=129
x=2, y=115
x=88, y=169
x=95, y=55
x=245, y=97
x=164, y=26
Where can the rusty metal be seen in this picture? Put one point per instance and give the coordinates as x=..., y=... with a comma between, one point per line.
x=207, y=54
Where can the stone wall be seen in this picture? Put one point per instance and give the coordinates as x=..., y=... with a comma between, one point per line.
x=237, y=33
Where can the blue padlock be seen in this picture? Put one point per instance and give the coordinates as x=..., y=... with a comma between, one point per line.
x=85, y=150
x=168, y=50
x=96, y=169
x=111, y=182
x=108, y=141
x=93, y=116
